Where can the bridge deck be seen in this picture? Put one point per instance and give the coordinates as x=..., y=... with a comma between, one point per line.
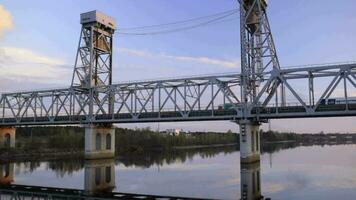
x=195, y=115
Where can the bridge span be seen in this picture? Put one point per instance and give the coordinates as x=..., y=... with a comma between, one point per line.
x=205, y=98
x=263, y=90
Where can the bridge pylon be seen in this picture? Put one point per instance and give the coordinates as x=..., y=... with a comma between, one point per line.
x=250, y=141
x=258, y=56
x=99, y=141
x=92, y=76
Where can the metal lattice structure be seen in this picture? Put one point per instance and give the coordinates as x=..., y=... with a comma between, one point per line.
x=258, y=52
x=256, y=94
x=93, y=64
x=189, y=99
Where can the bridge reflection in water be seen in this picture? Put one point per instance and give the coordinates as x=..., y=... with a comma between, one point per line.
x=99, y=182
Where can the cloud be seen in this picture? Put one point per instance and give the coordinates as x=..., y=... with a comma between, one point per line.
x=25, y=64
x=273, y=187
x=134, y=52
x=6, y=22
x=202, y=60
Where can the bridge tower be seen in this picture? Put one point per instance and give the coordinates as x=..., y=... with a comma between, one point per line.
x=258, y=55
x=92, y=76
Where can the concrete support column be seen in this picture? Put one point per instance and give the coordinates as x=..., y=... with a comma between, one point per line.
x=249, y=141
x=99, y=142
x=99, y=176
x=7, y=137
x=250, y=181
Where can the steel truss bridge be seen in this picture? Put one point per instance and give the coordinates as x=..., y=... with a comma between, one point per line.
x=263, y=90
x=185, y=99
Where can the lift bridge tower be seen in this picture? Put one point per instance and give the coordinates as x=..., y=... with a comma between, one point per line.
x=93, y=69
x=258, y=56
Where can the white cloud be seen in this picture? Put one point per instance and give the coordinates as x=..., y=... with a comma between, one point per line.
x=20, y=63
x=6, y=22
x=135, y=52
x=204, y=60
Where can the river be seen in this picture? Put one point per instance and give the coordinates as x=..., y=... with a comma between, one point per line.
x=286, y=172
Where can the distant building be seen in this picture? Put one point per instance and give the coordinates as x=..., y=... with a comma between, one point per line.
x=174, y=132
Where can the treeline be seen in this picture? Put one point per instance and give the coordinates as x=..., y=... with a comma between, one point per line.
x=39, y=138
x=275, y=136
x=127, y=140
x=141, y=139
x=137, y=141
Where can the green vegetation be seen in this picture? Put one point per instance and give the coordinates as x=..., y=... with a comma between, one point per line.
x=64, y=141
x=139, y=140
x=128, y=141
x=40, y=138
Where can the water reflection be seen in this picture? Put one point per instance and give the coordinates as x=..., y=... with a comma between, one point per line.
x=6, y=173
x=99, y=176
x=251, y=181
x=203, y=173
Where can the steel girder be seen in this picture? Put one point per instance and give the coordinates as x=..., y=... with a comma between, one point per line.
x=189, y=99
x=133, y=101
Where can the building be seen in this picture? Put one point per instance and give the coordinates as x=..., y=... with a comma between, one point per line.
x=173, y=132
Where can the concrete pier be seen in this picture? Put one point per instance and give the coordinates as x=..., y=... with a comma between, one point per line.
x=7, y=137
x=99, y=176
x=251, y=181
x=249, y=141
x=99, y=141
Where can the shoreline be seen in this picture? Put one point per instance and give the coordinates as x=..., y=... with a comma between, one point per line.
x=49, y=155
x=203, y=146
x=13, y=155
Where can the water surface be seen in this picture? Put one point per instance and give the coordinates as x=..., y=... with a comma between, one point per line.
x=303, y=172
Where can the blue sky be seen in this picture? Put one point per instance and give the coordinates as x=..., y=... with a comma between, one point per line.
x=37, y=48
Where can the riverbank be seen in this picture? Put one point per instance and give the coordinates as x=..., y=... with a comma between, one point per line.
x=65, y=142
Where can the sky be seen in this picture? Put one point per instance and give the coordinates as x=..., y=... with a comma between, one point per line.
x=38, y=41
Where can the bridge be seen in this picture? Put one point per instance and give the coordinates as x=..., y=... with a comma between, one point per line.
x=181, y=99
x=263, y=90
